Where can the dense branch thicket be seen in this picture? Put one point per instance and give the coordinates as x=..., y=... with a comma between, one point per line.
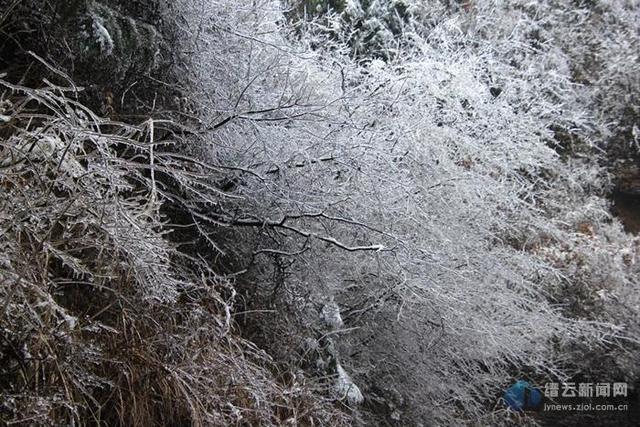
x=332, y=213
x=104, y=321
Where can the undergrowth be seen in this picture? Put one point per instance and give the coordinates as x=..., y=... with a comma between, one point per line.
x=102, y=320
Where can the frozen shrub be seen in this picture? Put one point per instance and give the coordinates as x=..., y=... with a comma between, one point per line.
x=104, y=321
x=413, y=191
x=397, y=204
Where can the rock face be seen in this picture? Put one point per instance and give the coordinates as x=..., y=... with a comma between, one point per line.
x=623, y=147
x=627, y=208
x=626, y=195
x=627, y=176
x=623, y=154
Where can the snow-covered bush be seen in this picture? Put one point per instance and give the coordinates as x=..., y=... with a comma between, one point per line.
x=414, y=192
x=104, y=321
x=378, y=194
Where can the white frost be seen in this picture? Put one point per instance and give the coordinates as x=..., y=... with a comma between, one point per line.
x=353, y=9
x=345, y=387
x=104, y=38
x=331, y=315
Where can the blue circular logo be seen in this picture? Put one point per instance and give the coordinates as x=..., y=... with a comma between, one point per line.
x=522, y=396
